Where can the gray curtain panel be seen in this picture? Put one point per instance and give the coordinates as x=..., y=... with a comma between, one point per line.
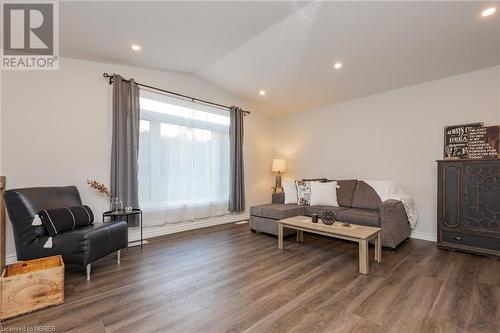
x=125, y=143
x=237, y=180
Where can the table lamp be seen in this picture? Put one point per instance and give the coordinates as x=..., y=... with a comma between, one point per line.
x=279, y=166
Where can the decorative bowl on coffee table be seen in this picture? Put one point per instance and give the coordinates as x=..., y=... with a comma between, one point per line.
x=328, y=217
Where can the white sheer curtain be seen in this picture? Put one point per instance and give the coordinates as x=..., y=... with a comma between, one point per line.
x=183, y=160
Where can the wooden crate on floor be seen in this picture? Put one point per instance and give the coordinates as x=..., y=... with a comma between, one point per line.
x=31, y=285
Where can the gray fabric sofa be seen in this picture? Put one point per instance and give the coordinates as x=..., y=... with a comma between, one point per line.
x=358, y=204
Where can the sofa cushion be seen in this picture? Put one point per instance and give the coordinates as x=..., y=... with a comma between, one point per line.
x=345, y=192
x=324, y=194
x=290, y=192
x=367, y=217
x=320, y=209
x=277, y=211
x=365, y=197
x=303, y=192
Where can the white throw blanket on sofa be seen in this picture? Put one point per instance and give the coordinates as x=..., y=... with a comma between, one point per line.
x=389, y=189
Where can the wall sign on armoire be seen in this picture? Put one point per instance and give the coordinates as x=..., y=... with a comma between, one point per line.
x=455, y=140
x=484, y=143
x=471, y=141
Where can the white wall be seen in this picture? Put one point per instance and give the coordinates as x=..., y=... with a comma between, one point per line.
x=56, y=127
x=55, y=130
x=393, y=135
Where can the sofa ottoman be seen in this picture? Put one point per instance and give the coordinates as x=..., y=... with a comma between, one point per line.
x=265, y=217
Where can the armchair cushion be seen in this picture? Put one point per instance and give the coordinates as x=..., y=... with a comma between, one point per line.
x=81, y=246
x=23, y=204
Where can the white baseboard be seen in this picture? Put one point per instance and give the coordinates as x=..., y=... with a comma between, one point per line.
x=423, y=236
x=134, y=234
x=10, y=259
x=137, y=243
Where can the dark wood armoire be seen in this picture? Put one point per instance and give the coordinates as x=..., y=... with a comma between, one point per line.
x=469, y=206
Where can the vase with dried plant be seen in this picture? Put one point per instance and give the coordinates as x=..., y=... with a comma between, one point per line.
x=116, y=203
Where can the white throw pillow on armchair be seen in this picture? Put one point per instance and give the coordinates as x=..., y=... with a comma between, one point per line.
x=324, y=194
x=290, y=191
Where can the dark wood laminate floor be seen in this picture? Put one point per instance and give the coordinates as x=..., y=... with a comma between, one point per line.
x=226, y=279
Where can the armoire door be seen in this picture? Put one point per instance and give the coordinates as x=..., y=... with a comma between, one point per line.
x=482, y=198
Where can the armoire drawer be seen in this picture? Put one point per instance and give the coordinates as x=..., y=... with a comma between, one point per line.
x=470, y=240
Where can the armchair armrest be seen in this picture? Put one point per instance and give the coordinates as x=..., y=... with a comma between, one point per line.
x=394, y=223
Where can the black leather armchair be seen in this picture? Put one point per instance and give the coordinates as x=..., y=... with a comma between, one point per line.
x=80, y=246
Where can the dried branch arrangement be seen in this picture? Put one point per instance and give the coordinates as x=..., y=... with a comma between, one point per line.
x=100, y=187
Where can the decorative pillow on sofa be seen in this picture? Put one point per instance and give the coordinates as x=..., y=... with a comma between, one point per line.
x=63, y=219
x=303, y=192
x=324, y=194
x=290, y=191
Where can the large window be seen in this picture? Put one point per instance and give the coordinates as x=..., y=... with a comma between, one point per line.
x=183, y=159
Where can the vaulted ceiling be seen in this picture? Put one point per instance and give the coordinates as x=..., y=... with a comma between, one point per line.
x=288, y=48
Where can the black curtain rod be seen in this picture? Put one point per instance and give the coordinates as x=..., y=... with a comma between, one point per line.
x=193, y=99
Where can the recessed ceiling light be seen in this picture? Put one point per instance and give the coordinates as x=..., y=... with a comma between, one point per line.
x=337, y=65
x=262, y=92
x=135, y=47
x=488, y=11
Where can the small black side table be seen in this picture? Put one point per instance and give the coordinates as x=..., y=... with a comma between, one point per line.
x=115, y=215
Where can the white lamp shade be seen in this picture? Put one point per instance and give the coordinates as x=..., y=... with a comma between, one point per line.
x=279, y=165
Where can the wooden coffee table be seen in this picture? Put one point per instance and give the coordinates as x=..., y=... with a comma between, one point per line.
x=356, y=233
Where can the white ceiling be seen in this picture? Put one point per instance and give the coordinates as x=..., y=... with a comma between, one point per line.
x=288, y=48
x=179, y=36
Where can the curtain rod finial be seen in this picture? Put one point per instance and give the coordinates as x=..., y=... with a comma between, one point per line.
x=108, y=76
